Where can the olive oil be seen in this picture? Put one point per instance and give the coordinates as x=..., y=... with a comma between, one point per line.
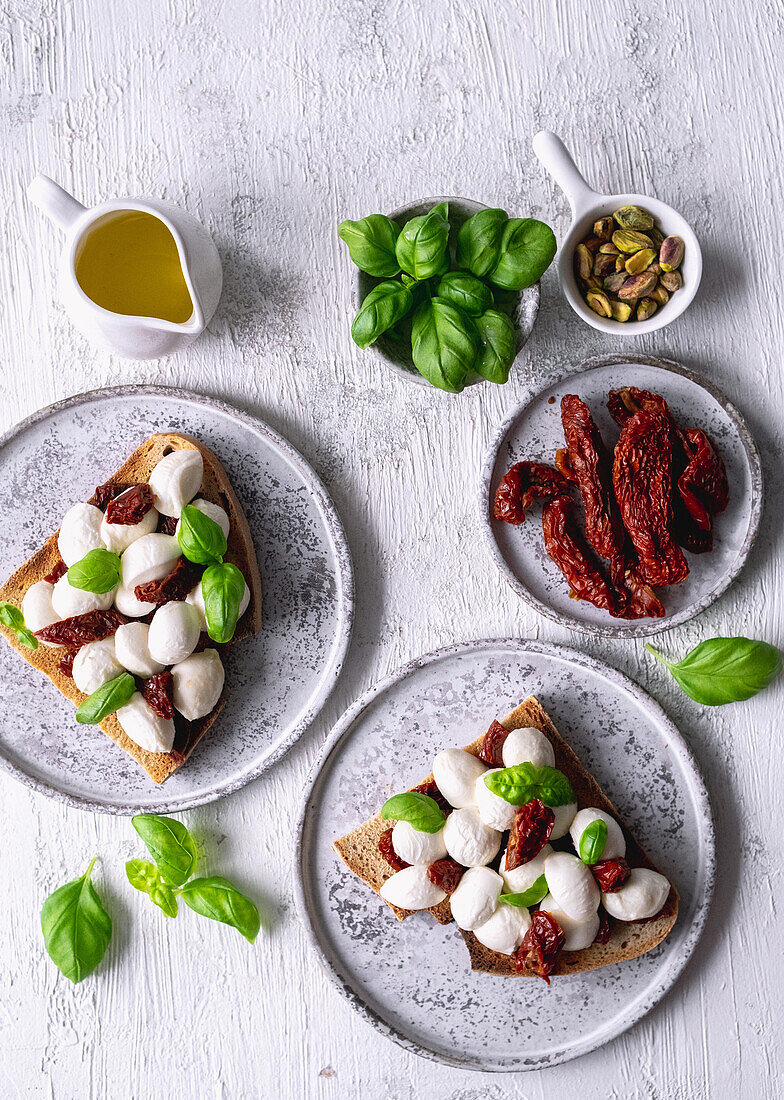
x=129, y=263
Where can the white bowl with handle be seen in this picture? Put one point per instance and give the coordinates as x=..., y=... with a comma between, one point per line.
x=587, y=206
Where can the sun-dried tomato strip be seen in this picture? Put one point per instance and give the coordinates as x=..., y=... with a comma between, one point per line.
x=611, y=874
x=492, y=744
x=571, y=554
x=446, y=873
x=703, y=484
x=157, y=694
x=387, y=849
x=167, y=525
x=589, y=460
x=78, y=630
x=59, y=571
x=605, y=927
x=108, y=491
x=563, y=464
x=531, y=829
x=131, y=506
x=174, y=586
x=524, y=483
x=66, y=663
x=641, y=601
x=541, y=946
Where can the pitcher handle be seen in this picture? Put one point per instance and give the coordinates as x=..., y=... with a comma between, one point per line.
x=63, y=209
x=557, y=159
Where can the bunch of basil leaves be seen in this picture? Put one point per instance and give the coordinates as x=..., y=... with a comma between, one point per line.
x=459, y=326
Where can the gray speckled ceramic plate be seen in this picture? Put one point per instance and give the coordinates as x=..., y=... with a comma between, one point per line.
x=411, y=980
x=533, y=431
x=275, y=683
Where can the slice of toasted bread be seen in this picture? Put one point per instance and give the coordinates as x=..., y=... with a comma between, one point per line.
x=359, y=850
x=216, y=487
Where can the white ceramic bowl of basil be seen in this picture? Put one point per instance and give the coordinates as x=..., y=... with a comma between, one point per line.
x=395, y=351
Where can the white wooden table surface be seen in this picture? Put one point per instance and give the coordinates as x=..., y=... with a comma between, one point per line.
x=272, y=121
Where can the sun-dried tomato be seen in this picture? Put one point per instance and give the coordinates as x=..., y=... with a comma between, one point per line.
x=66, y=663
x=563, y=464
x=387, y=849
x=492, y=744
x=567, y=548
x=167, y=525
x=131, y=506
x=531, y=829
x=611, y=874
x=157, y=694
x=703, y=484
x=446, y=873
x=78, y=630
x=524, y=483
x=590, y=462
x=641, y=601
x=625, y=403
x=108, y=491
x=605, y=927
x=429, y=787
x=174, y=586
x=541, y=946
x=183, y=738
x=59, y=571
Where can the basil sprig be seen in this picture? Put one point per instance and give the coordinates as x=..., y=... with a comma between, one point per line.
x=170, y=845
x=106, y=700
x=76, y=927
x=98, y=571
x=479, y=241
x=420, y=810
x=12, y=618
x=724, y=670
x=527, y=249
x=201, y=539
x=532, y=896
x=220, y=900
x=593, y=840
x=222, y=587
x=521, y=783
x=146, y=877
x=371, y=244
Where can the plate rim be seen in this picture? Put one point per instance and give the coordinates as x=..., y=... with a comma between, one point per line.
x=644, y=628
x=345, y=573
x=642, y=1004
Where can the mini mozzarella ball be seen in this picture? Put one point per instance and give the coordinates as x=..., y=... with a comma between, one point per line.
x=212, y=511
x=493, y=810
x=615, y=848
x=468, y=840
x=578, y=934
x=197, y=683
x=68, y=601
x=150, y=558
x=572, y=885
x=455, y=772
x=641, y=896
x=95, y=664
x=80, y=532
x=412, y=889
x=126, y=603
x=527, y=745
x=119, y=536
x=415, y=847
x=196, y=598
x=476, y=897
x=174, y=633
x=504, y=931
x=564, y=816
x=522, y=878
x=37, y=606
x=132, y=649
x=144, y=727
x=176, y=480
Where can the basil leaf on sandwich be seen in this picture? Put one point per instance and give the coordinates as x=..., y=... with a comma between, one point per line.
x=222, y=587
x=106, y=700
x=98, y=571
x=532, y=896
x=201, y=539
x=12, y=618
x=593, y=841
x=521, y=783
x=420, y=811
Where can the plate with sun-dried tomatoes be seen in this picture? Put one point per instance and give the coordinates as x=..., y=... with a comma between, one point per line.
x=623, y=498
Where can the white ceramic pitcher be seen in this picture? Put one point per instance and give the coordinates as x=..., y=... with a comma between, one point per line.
x=130, y=336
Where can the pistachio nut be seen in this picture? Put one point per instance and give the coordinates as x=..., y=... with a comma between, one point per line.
x=627, y=240
x=637, y=286
x=594, y=283
x=639, y=261
x=671, y=280
x=656, y=236
x=613, y=283
x=655, y=267
x=608, y=249
x=603, y=264
x=633, y=217
x=621, y=311
x=583, y=262
x=599, y=303
x=670, y=253
x=646, y=308
x=660, y=295
x=620, y=263
x=603, y=228
x=592, y=244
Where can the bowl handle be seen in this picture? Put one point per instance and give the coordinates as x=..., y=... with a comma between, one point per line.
x=557, y=159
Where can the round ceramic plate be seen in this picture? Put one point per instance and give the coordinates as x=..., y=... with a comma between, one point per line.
x=411, y=980
x=534, y=431
x=275, y=683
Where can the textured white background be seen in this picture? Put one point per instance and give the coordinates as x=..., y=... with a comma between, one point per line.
x=271, y=121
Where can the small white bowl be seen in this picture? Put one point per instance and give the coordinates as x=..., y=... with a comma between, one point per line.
x=587, y=205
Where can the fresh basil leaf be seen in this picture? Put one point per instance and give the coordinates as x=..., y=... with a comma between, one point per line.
x=498, y=346
x=532, y=896
x=527, y=250
x=106, y=700
x=98, y=571
x=170, y=845
x=146, y=877
x=423, y=245
x=443, y=344
x=76, y=927
x=382, y=308
x=371, y=244
x=592, y=841
x=523, y=782
x=420, y=810
x=201, y=539
x=466, y=292
x=222, y=587
x=724, y=670
x=479, y=241
x=26, y=637
x=12, y=618
x=219, y=899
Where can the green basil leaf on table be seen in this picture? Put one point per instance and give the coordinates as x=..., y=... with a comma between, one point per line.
x=420, y=810
x=220, y=900
x=170, y=845
x=146, y=877
x=12, y=618
x=521, y=783
x=222, y=587
x=592, y=841
x=479, y=241
x=724, y=670
x=201, y=539
x=98, y=571
x=381, y=309
x=106, y=700
x=527, y=250
x=371, y=244
x=76, y=927
x=532, y=896
x=444, y=343
x=498, y=346
x=466, y=292
x=422, y=248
